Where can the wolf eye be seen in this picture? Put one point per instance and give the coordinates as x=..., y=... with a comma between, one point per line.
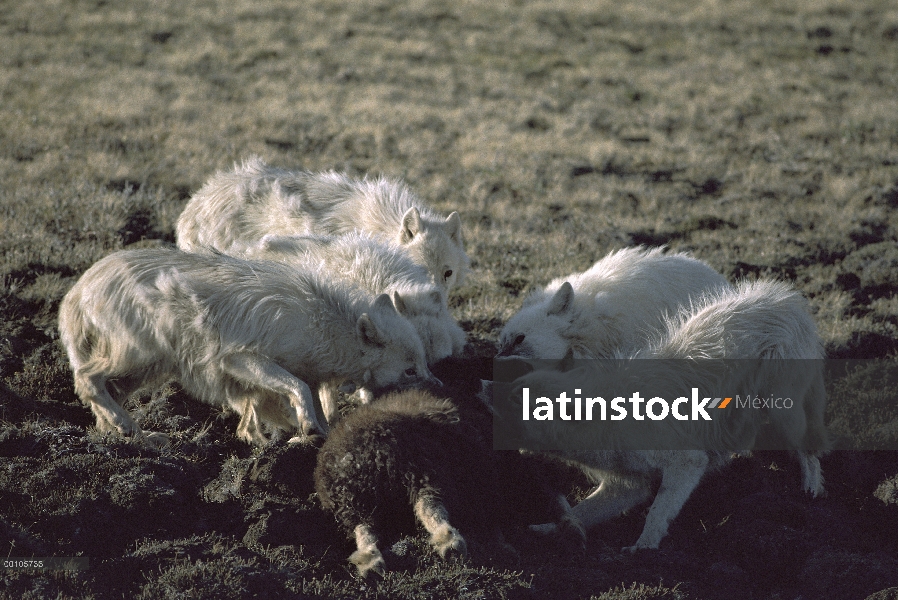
x=447, y=274
x=519, y=340
x=411, y=372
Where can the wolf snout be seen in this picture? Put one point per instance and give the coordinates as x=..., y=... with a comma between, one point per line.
x=432, y=379
x=506, y=351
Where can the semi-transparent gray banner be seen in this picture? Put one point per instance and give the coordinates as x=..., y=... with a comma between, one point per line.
x=722, y=405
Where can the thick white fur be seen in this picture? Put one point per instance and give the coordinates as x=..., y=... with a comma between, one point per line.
x=253, y=336
x=235, y=209
x=616, y=305
x=376, y=268
x=761, y=320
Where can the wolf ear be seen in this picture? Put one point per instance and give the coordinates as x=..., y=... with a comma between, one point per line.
x=399, y=304
x=368, y=332
x=383, y=302
x=411, y=225
x=563, y=300
x=452, y=226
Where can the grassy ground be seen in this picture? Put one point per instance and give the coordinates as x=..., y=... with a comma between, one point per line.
x=762, y=136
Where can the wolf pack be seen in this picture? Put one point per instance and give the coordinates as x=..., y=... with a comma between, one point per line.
x=291, y=291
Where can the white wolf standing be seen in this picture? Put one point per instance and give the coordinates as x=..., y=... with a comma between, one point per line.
x=253, y=336
x=762, y=320
x=235, y=209
x=616, y=305
x=376, y=268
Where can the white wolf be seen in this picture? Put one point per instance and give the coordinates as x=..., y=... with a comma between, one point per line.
x=616, y=305
x=763, y=320
x=253, y=336
x=376, y=268
x=237, y=208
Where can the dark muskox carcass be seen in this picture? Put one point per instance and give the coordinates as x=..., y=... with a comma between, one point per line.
x=412, y=456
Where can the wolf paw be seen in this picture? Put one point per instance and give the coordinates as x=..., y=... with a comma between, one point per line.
x=815, y=491
x=544, y=528
x=313, y=440
x=155, y=439
x=571, y=532
x=638, y=546
x=366, y=396
x=449, y=544
x=368, y=562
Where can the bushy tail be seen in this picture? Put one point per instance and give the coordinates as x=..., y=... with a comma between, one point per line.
x=76, y=333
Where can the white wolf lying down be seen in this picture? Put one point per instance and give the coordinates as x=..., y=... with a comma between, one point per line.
x=253, y=336
x=237, y=208
x=762, y=320
x=376, y=268
x=616, y=305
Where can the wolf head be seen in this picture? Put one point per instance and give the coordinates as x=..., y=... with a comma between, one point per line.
x=505, y=401
x=393, y=351
x=541, y=329
x=425, y=308
x=437, y=245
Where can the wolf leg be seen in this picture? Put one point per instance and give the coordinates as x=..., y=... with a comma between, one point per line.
x=328, y=395
x=367, y=558
x=677, y=483
x=261, y=372
x=614, y=495
x=801, y=426
x=793, y=427
x=110, y=414
x=569, y=526
x=817, y=441
x=566, y=525
x=91, y=388
x=811, y=474
x=444, y=538
x=250, y=426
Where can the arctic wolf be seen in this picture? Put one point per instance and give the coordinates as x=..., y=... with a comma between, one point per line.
x=375, y=267
x=252, y=336
x=616, y=305
x=763, y=320
x=237, y=208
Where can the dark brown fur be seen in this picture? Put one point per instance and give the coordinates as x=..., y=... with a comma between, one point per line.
x=412, y=454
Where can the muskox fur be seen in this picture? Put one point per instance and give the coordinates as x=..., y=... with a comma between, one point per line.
x=415, y=456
